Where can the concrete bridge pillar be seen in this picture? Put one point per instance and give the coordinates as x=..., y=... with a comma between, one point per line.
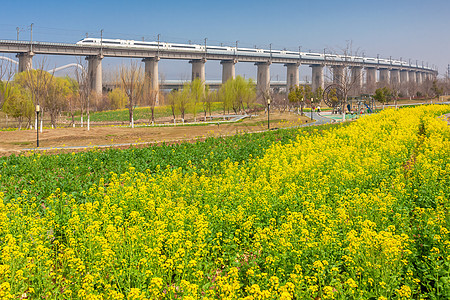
x=412, y=76
x=384, y=76
x=151, y=70
x=404, y=79
x=356, y=79
x=95, y=73
x=228, y=69
x=338, y=74
x=371, y=79
x=292, y=78
x=419, y=78
x=404, y=76
x=395, y=76
x=317, y=77
x=151, y=73
x=198, y=69
x=25, y=61
x=263, y=79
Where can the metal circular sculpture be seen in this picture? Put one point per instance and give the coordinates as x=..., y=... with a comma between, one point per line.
x=333, y=95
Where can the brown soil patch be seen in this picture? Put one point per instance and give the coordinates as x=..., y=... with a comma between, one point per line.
x=17, y=141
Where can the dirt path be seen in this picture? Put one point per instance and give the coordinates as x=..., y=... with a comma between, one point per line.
x=17, y=141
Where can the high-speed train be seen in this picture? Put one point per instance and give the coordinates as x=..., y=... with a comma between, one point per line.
x=237, y=51
x=164, y=46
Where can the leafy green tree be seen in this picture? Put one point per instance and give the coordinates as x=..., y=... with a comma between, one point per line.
x=292, y=96
x=19, y=104
x=207, y=101
x=46, y=90
x=438, y=91
x=383, y=95
x=213, y=96
x=226, y=95
x=197, y=94
x=5, y=92
x=117, y=98
x=183, y=99
x=318, y=95
x=37, y=82
x=7, y=71
x=238, y=94
x=297, y=96
x=245, y=92
x=172, y=100
x=56, y=99
x=308, y=95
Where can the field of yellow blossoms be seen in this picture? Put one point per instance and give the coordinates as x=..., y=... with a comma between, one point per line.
x=358, y=211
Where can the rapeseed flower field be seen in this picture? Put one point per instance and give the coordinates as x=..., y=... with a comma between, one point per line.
x=356, y=211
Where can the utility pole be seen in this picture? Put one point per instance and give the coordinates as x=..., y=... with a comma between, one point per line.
x=31, y=37
x=270, y=45
x=101, y=42
x=159, y=35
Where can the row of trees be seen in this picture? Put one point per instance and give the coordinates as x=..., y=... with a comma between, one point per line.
x=19, y=94
x=238, y=95
x=37, y=87
x=390, y=93
x=299, y=96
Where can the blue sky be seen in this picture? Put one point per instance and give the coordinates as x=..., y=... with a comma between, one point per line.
x=398, y=28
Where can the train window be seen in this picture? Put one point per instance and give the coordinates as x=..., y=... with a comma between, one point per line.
x=145, y=44
x=183, y=46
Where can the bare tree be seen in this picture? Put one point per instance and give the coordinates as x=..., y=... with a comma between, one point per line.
x=151, y=95
x=395, y=88
x=345, y=75
x=72, y=98
x=82, y=78
x=412, y=88
x=132, y=81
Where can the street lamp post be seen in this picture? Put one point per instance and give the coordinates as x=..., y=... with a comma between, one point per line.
x=38, y=109
x=268, y=114
x=312, y=108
